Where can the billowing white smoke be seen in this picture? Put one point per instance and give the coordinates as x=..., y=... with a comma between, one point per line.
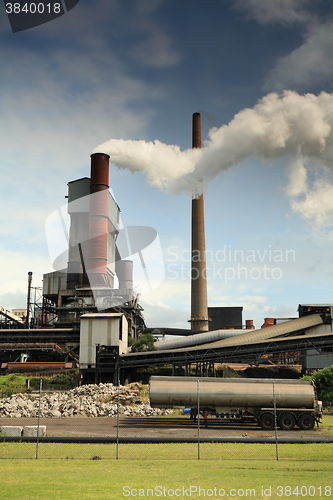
x=291, y=125
x=163, y=164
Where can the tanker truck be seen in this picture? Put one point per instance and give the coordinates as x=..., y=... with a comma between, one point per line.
x=246, y=399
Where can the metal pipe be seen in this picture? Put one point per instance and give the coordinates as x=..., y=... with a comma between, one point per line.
x=263, y=334
x=27, y=321
x=198, y=338
x=199, y=309
x=124, y=271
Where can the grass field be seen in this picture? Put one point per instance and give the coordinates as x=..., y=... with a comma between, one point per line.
x=106, y=479
x=91, y=471
x=169, y=451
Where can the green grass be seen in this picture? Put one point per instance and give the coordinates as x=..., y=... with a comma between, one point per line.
x=328, y=421
x=12, y=384
x=72, y=471
x=176, y=451
x=169, y=451
x=107, y=479
x=15, y=384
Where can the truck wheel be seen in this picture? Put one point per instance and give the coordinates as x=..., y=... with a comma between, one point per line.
x=287, y=421
x=306, y=422
x=266, y=421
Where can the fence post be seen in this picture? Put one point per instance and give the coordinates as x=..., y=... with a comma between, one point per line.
x=40, y=397
x=275, y=424
x=118, y=408
x=198, y=420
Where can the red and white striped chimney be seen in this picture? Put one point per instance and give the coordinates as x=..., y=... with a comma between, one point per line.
x=98, y=220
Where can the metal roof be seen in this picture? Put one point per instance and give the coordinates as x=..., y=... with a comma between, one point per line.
x=315, y=305
x=101, y=315
x=268, y=332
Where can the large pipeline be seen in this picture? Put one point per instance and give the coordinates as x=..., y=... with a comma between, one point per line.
x=198, y=338
x=254, y=336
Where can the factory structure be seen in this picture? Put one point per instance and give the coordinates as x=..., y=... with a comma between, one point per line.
x=88, y=308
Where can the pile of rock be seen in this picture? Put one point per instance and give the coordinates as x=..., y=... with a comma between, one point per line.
x=85, y=401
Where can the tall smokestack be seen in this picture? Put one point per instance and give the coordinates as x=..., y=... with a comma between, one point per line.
x=199, y=310
x=98, y=220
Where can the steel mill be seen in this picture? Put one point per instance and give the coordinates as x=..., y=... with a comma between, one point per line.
x=81, y=319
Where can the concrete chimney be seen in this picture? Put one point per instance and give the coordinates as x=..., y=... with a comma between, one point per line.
x=124, y=271
x=268, y=322
x=98, y=220
x=199, y=310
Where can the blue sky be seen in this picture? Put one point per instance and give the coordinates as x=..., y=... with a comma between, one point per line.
x=137, y=70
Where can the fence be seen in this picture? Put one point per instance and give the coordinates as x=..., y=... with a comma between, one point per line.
x=108, y=422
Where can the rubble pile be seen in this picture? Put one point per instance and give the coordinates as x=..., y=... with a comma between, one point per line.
x=85, y=401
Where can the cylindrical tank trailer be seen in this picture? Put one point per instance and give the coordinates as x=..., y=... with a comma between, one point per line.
x=294, y=400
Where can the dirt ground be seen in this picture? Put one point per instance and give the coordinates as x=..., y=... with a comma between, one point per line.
x=158, y=427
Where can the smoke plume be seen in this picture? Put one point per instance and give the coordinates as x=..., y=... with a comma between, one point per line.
x=288, y=125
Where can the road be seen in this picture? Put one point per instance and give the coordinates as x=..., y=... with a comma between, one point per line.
x=158, y=427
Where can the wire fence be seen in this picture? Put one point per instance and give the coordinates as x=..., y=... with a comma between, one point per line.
x=123, y=427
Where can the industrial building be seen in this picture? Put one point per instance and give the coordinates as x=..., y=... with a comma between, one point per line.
x=84, y=319
x=81, y=309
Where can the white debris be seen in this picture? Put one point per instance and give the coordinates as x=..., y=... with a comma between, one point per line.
x=86, y=401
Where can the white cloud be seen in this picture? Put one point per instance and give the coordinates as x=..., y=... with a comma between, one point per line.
x=157, y=50
x=160, y=315
x=291, y=125
x=275, y=11
x=15, y=272
x=312, y=200
x=171, y=293
x=297, y=178
x=43, y=145
x=250, y=303
x=258, y=299
x=317, y=204
x=154, y=46
x=309, y=64
x=162, y=305
x=13, y=300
